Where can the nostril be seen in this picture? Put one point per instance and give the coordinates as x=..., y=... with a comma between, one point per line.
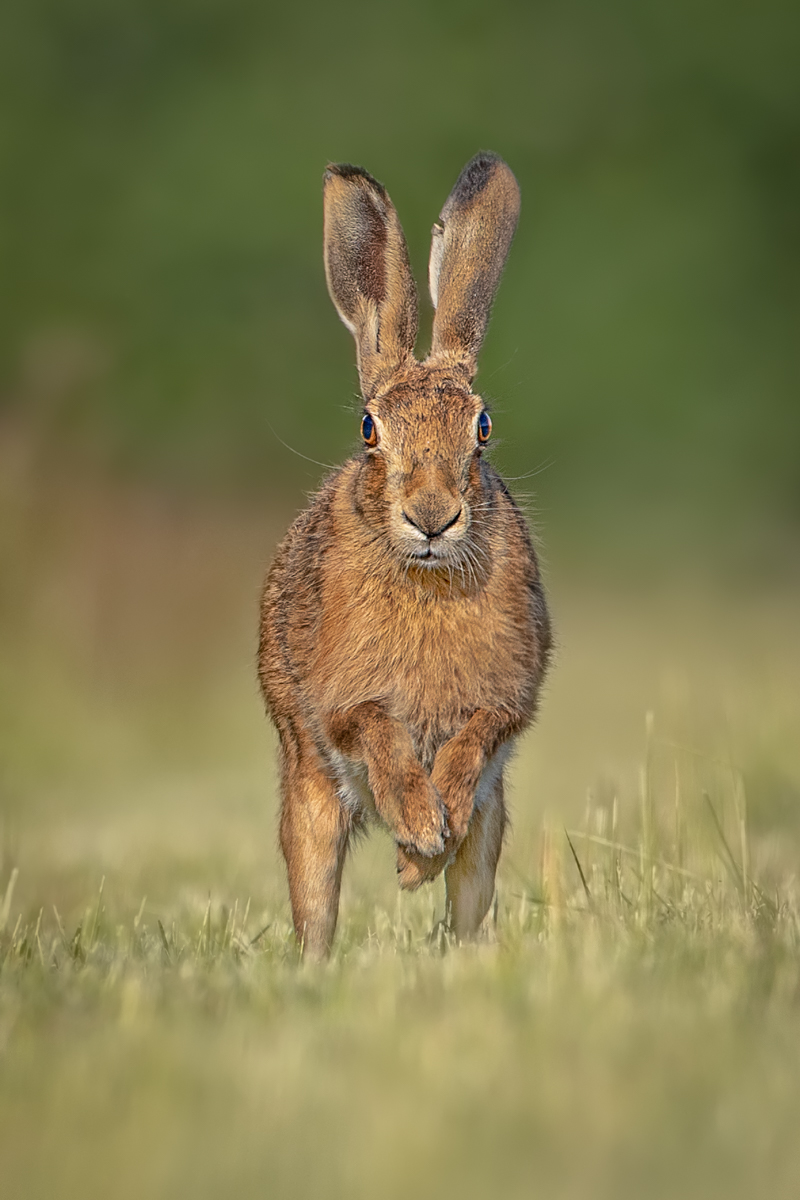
x=448, y=525
x=412, y=522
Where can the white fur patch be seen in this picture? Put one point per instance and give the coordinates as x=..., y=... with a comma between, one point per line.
x=353, y=790
x=492, y=772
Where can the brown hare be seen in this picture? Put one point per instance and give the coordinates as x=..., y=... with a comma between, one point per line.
x=404, y=631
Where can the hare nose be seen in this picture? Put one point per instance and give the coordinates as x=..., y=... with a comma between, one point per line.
x=431, y=521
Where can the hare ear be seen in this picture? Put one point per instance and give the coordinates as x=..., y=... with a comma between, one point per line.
x=468, y=253
x=369, y=278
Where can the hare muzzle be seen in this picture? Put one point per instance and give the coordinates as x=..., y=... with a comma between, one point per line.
x=432, y=516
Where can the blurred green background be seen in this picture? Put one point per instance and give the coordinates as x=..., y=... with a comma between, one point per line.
x=163, y=306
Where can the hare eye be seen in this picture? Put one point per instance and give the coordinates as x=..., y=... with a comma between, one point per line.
x=484, y=426
x=368, y=431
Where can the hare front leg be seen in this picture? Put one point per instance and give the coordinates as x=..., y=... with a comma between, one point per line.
x=470, y=877
x=314, y=835
x=456, y=774
x=405, y=797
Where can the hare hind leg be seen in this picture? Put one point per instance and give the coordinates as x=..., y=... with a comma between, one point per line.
x=470, y=877
x=314, y=836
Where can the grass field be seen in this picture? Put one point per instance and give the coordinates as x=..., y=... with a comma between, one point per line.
x=629, y=1026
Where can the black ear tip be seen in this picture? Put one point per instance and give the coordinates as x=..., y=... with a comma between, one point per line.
x=485, y=159
x=349, y=171
x=476, y=174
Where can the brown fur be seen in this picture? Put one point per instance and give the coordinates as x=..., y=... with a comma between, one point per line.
x=404, y=630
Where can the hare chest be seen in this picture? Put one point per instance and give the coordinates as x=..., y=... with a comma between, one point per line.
x=432, y=662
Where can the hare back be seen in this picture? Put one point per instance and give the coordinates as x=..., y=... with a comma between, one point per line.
x=343, y=623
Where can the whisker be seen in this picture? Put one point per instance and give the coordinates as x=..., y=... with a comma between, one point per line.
x=470, y=567
x=463, y=576
x=326, y=466
x=545, y=466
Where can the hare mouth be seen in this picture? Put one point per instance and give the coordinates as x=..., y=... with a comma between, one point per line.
x=427, y=558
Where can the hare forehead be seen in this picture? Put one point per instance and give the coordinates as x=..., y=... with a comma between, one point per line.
x=427, y=392
x=444, y=419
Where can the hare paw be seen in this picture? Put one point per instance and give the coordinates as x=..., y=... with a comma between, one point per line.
x=414, y=869
x=424, y=827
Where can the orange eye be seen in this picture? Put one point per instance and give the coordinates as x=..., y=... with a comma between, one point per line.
x=484, y=426
x=369, y=431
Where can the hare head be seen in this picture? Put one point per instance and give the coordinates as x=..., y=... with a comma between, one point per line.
x=423, y=427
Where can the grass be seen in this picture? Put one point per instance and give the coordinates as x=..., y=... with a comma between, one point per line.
x=628, y=1026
